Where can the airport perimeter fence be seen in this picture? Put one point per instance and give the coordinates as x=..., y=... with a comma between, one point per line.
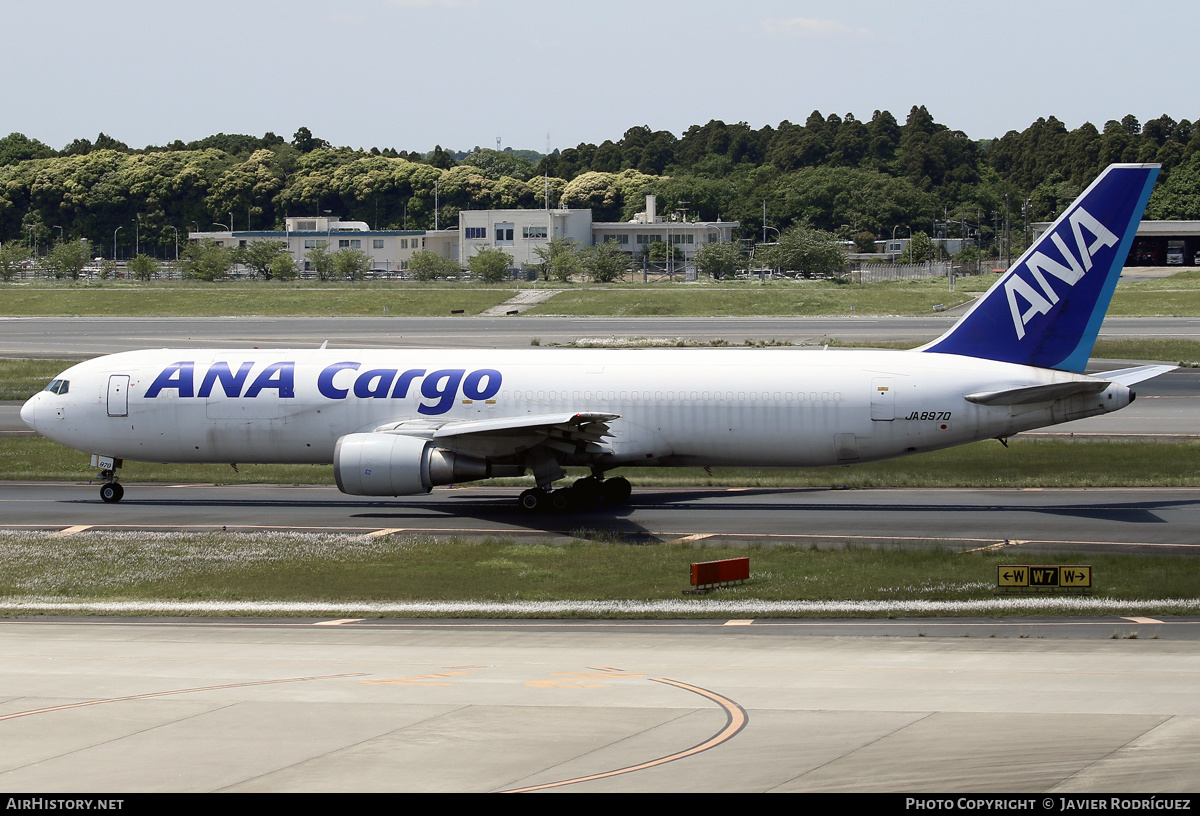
x=876, y=272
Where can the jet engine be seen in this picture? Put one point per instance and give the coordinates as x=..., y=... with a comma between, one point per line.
x=381, y=464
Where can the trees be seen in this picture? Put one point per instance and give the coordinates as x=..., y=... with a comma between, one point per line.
x=604, y=263
x=719, y=260
x=266, y=258
x=204, y=260
x=12, y=258
x=344, y=264
x=807, y=251
x=920, y=249
x=559, y=259
x=285, y=267
x=657, y=253
x=427, y=265
x=831, y=171
x=142, y=267
x=496, y=164
x=305, y=142
x=321, y=260
x=17, y=147
x=490, y=264
x=68, y=258
x=351, y=264
x=596, y=191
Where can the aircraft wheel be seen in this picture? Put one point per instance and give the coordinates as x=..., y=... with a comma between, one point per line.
x=112, y=492
x=587, y=491
x=563, y=500
x=533, y=500
x=616, y=491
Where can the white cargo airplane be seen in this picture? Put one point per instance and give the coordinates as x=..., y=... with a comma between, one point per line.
x=397, y=422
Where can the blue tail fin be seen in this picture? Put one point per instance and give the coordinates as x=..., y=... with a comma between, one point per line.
x=1046, y=310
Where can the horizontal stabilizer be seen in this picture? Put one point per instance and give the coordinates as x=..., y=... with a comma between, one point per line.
x=1129, y=376
x=1039, y=393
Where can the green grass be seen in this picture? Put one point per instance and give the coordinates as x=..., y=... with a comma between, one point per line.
x=1177, y=295
x=1024, y=463
x=249, y=298
x=742, y=298
x=1182, y=352
x=296, y=567
x=21, y=379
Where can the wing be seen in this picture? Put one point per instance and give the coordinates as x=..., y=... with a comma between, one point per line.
x=581, y=435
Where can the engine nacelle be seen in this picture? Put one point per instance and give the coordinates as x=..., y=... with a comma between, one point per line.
x=380, y=464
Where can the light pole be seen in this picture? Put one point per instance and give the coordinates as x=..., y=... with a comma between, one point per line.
x=118, y=229
x=893, y=253
x=60, y=233
x=762, y=274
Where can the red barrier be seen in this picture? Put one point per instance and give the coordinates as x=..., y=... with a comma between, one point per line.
x=720, y=572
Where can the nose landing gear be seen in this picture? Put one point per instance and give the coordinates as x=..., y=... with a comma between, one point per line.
x=111, y=491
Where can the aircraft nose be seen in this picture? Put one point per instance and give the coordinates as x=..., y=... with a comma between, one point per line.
x=29, y=412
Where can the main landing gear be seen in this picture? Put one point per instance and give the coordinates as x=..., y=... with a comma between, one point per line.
x=585, y=492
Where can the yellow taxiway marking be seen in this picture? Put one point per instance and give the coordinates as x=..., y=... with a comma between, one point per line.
x=422, y=680
x=78, y=528
x=999, y=545
x=738, y=622
x=576, y=680
x=689, y=538
x=736, y=720
x=338, y=622
x=1143, y=620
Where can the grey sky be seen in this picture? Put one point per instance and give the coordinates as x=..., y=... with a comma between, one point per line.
x=410, y=74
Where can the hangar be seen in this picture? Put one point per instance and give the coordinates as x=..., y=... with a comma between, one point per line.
x=1166, y=243
x=1158, y=243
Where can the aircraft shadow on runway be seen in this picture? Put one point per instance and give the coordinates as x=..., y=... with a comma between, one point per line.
x=622, y=521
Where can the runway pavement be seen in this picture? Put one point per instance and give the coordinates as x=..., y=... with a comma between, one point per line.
x=83, y=337
x=1161, y=521
x=1056, y=709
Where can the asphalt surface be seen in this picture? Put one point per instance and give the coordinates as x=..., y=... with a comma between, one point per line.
x=1151, y=520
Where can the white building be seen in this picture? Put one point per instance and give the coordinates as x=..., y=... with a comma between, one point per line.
x=517, y=232
x=649, y=227
x=520, y=232
x=389, y=250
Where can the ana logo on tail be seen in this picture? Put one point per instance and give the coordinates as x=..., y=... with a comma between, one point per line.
x=1039, y=303
x=1056, y=294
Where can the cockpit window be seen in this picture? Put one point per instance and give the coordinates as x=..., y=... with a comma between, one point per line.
x=58, y=386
